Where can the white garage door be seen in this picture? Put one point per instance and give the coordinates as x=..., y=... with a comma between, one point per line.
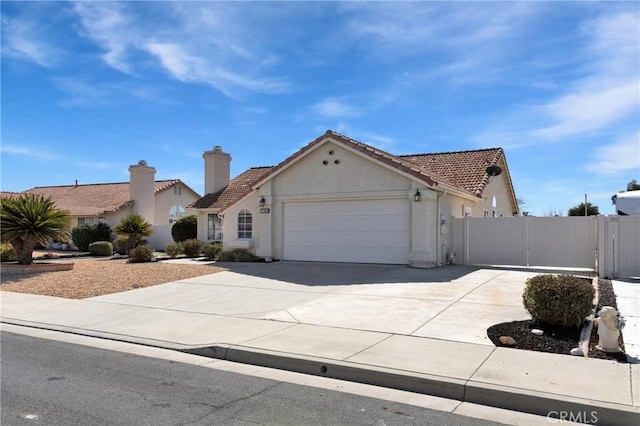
x=372, y=231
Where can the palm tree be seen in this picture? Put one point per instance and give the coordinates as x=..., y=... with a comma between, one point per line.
x=133, y=229
x=27, y=220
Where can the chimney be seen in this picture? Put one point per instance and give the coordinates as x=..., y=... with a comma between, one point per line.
x=216, y=169
x=142, y=188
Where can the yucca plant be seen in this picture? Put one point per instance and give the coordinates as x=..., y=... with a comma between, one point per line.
x=27, y=220
x=133, y=229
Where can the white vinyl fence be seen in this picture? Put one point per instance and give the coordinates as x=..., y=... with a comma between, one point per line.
x=619, y=246
x=607, y=244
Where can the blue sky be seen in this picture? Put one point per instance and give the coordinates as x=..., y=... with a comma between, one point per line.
x=90, y=88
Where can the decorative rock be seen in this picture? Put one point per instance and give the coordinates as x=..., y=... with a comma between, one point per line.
x=537, y=332
x=577, y=352
x=507, y=340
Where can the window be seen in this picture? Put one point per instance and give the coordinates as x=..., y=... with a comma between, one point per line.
x=177, y=190
x=245, y=226
x=175, y=213
x=86, y=221
x=214, y=227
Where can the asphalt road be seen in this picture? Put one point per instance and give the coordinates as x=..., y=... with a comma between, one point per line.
x=47, y=382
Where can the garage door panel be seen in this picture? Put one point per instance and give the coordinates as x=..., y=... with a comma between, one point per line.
x=371, y=231
x=342, y=254
x=347, y=223
x=348, y=207
x=355, y=239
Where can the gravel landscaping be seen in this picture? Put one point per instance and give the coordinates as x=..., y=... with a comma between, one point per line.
x=95, y=277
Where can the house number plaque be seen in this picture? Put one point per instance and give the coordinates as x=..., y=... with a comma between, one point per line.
x=265, y=210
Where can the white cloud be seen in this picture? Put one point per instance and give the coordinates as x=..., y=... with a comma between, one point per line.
x=335, y=107
x=27, y=152
x=84, y=92
x=107, y=24
x=622, y=156
x=590, y=109
x=21, y=39
x=605, y=92
x=100, y=165
x=192, y=42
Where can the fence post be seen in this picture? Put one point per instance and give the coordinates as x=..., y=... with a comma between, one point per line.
x=601, y=244
x=465, y=240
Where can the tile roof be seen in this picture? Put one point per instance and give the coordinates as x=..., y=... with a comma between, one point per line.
x=464, y=170
x=237, y=188
x=94, y=199
x=9, y=194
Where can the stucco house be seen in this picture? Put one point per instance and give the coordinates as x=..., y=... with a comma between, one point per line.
x=160, y=202
x=340, y=200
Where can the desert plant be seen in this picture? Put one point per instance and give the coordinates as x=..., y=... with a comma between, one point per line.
x=212, y=250
x=6, y=253
x=564, y=300
x=132, y=229
x=185, y=228
x=173, y=249
x=192, y=247
x=84, y=235
x=120, y=246
x=140, y=254
x=28, y=220
x=101, y=248
x=238, y=255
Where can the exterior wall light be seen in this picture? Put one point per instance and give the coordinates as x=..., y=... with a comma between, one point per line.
x=416, y=196
x=261, y=202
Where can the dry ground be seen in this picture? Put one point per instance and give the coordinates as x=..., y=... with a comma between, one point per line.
x=90, y=277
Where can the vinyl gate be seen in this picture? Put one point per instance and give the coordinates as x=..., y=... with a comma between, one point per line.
x=619, y=246
x=608, y=244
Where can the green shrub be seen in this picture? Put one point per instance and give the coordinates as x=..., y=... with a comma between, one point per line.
x=238, y=255
x=185, y=228
x=6, y=253
x=212, y=250
x=101, y=248
x=173, y=249
x=140, y=254
x=192, y=247
x=84, y=235
x=563, y=300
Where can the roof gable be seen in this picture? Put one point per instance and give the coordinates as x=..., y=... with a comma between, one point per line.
x=463, y=171
x=376, y=154
x=237, y=188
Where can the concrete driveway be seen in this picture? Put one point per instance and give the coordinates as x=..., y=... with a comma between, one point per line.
x=452, y=303
x=421, y=330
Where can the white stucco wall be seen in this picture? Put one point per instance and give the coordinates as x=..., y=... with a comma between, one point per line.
x=331, y=172
x=168, y=198
x=352, y=177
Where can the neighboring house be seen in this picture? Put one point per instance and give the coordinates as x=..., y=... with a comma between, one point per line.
x=340, y=200
x=160, y=202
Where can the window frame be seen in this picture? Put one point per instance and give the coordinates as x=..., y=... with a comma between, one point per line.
x=86, y=220
x=245, y=225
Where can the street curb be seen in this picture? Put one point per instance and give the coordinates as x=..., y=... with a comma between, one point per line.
x=515, y=399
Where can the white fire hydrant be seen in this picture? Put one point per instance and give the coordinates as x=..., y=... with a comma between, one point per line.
x=609, y=324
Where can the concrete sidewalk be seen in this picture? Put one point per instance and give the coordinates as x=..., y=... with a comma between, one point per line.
x=410, y=329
